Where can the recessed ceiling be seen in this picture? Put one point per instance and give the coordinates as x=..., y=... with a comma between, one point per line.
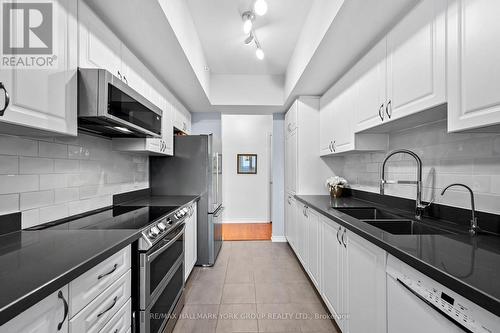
x=219, y=26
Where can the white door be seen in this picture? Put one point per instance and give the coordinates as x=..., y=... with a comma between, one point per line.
x=473, y=66
x=314, y=246
x=366, y=285
x=371, y=88
x=342, y=119
x=291, y=162
x=416, y=60
x=133, y=72
x=46, y=98
x=99, y=46
x=46, y=316
x=325, y=130
x=331, y=264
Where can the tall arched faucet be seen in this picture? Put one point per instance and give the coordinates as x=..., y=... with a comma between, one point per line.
x=474, y=228
x=419, y=206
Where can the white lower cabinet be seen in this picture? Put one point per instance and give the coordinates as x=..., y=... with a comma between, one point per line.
x=347, y=270
x=314, y=247
x=47, y=316
x=191, y=240
x=333, y=261
x=99, y=300
x=290, y=216
x=99, y=312
x=366, y=285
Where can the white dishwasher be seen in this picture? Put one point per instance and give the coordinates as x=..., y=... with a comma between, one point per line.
x=416, y=303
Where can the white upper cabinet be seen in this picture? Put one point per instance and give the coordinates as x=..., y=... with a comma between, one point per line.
x=473, y=64
x=44, y=101
x=416, y=60
x=181, y=118
x=371, y=72
x=304, y=170
x=99, y=46
x=338, y=114
x=133, y=73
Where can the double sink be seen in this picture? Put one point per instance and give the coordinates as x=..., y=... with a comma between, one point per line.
x=390, y=222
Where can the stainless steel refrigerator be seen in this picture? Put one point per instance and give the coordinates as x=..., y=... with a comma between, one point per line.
x=195, y=169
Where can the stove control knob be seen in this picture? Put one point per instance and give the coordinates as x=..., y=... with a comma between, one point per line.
x=169, y=221
x=185, y=210
x=153, y=232
x=161, y=226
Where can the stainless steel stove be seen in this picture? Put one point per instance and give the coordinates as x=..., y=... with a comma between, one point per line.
x=159, y=265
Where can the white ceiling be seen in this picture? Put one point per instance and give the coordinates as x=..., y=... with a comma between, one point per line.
x=219, y=26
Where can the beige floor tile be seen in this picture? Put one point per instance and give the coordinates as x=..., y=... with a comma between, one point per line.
x=197, y=319
x=318, y=319
x=272, y=293
x=235, y=275
x=238, y=293
x=279, y=317
x=210, y=276
x=237, y=318
x=201, y=293
x=302, y=292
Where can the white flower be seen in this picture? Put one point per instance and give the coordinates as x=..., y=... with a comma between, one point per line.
x=335, y=181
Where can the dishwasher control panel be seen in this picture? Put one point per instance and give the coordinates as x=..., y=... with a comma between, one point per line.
x=465, y=314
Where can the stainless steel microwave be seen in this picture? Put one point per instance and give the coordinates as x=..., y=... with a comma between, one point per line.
x=110, y=107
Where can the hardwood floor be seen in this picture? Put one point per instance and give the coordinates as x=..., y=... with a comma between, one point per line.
x=246, y=231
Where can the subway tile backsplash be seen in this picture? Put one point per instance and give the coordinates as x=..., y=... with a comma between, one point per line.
x=52, y=178
x=469, y=158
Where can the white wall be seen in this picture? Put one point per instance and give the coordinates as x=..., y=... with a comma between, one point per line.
x=278, y=176
x=469, y=158
x=52, y=178
x=226, y=89
x=246, y=197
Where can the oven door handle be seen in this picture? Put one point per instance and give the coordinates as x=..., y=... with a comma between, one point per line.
x=156, y=253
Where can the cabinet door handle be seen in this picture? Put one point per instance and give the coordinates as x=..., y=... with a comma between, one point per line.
x=305, y=211
x=338, y=240
x=120, y=75
x=343, y=241
x=388, y=109
x=7, y=99
x=125, y=79
x=333, y=146
x=289, y=202
x=381, y=112
x=65, y=303
x=109, y=308
x=106, y=274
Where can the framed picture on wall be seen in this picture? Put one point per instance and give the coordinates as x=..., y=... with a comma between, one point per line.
x=247, y=164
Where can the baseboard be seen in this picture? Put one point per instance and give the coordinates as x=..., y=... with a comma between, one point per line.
x=278, y=239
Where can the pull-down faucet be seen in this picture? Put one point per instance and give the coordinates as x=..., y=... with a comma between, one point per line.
x=474, y=228
x=419, y=206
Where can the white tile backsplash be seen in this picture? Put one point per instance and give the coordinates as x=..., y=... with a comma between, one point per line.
x=469, y=158
x=51, y=178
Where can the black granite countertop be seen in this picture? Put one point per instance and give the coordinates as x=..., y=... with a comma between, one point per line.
x=167, y=200
x=468, y=265
x=35, y=264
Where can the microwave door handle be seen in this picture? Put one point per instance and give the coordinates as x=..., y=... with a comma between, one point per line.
x=165, y=247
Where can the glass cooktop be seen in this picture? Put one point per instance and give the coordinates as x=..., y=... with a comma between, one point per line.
x=119, y=217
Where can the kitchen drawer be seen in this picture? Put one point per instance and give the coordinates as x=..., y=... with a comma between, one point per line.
x=121, y=321
x=99, y=312
x=90, y=284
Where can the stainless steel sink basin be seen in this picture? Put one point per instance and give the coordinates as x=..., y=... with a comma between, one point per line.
x=405, y=227
x=367, y=213
x=390, y=222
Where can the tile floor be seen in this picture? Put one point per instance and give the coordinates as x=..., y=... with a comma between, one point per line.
x=255, y=286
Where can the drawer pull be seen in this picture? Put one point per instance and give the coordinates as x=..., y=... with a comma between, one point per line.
x=112, y=305
x=106, y=274
x=7, y=99
x=65, y=303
